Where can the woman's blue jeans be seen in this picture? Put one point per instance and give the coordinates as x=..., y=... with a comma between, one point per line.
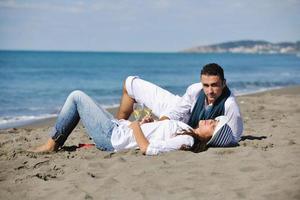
x=98, y=122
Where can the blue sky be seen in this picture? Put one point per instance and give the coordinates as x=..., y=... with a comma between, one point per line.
x=143, y=25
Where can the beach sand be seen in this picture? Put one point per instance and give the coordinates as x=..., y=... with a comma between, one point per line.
x=265, y=165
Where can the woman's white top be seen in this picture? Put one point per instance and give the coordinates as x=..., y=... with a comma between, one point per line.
x=161, y=136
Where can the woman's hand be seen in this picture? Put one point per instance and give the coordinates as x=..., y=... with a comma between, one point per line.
x=147, y=119
x=139, y=136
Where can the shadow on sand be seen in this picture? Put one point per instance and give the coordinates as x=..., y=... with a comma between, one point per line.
x=250, y=137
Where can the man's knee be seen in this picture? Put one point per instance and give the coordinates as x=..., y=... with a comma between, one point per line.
x=126, y=98
x=128, y=86
x=126, y=104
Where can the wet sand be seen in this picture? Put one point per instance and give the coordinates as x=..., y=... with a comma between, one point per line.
x=265, y=165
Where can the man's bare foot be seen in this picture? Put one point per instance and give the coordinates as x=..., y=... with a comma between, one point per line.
x=49, y=146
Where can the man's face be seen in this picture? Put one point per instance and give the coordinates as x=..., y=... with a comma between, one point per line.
x=212, y=86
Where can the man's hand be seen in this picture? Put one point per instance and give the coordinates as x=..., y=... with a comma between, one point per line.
x=164, y=118
x=147, y=119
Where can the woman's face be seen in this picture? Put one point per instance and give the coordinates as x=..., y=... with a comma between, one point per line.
x=206, y=128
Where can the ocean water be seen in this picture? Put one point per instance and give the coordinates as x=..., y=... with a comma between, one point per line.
x=34, y=85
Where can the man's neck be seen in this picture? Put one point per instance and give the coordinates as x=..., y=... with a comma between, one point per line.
x=208, y=103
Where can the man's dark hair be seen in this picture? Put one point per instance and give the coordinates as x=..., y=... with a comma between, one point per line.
x=213, y=69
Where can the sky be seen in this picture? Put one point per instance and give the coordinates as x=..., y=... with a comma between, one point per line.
x=143, y=25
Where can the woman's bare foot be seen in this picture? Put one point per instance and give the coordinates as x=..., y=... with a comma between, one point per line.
x=49, y=146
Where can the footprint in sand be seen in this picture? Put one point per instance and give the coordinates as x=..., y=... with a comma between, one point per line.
x=225, y=152
x=51, y=173
x=45, y=176
x=20, y=180
x=91, y=174
x=5, y=142
x=23, y=166
x=110, y=181
x=267, y=146
x=88, y=197
x=241, y=194
x=108, y=156
x=13, y=130
x=248, y=169
x=121, y=159
x=96, y=165
x=291, y=142
x=39, y=164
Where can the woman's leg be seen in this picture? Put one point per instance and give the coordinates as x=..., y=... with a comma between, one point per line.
x=98, y=122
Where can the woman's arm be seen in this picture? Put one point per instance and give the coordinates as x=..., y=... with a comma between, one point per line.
x=171, y=144
x=139, y=136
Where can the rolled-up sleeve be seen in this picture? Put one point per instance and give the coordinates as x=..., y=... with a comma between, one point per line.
x=159, y=146
x=235, y=120
x=180, y=111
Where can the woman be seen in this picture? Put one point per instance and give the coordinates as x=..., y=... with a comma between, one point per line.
x=110, y=134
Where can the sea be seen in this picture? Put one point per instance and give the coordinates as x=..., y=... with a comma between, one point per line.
x=35, y=84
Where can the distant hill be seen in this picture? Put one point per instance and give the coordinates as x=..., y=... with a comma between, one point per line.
x=248, y=46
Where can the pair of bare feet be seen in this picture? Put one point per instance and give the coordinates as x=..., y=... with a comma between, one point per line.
x=49, y=146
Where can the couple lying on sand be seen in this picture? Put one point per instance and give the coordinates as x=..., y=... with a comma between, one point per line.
x=206, y=115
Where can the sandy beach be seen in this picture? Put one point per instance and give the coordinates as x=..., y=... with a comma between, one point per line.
x=265, y=165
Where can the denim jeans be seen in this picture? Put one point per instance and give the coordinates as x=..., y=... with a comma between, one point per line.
x=98, y=122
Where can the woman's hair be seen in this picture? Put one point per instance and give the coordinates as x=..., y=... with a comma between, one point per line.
x=198, y=145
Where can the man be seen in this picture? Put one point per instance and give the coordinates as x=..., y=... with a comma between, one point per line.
x=206, y=100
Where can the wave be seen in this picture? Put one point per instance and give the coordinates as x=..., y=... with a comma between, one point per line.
x=18, y=121
x=250, y=87
x=247, y=84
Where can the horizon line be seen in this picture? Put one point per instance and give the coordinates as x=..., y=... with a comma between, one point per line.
x=89, y=51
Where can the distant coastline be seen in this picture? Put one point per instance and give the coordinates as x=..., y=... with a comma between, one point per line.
x=239, y=46
x=248, y=46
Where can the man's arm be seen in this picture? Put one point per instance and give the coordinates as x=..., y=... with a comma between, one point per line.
x=183, y=107
x=235, y=120
x=139, y=136
x=163, y=118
